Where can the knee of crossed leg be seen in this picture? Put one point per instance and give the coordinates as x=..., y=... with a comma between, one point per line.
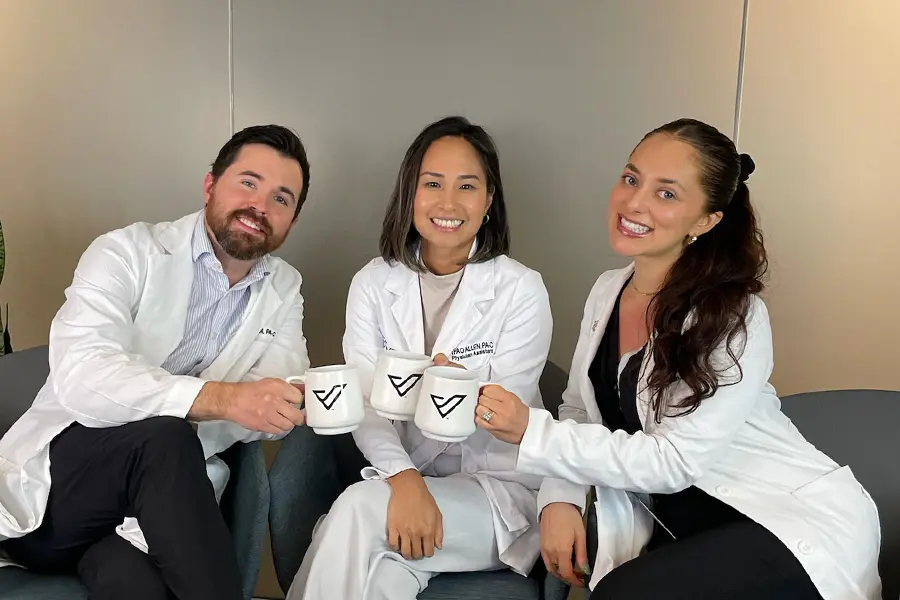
x=112, y=568
x=622, y=583
x=368, y=499
x=169, y=437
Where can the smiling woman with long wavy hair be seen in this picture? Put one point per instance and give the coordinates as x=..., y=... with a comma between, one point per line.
x=705, y=489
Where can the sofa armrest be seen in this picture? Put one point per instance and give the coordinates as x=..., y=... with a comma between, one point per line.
x=245, y=506
x=304, y=483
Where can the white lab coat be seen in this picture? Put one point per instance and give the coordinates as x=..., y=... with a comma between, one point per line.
x=499, y=325
x=737, y=446
x=124, y=314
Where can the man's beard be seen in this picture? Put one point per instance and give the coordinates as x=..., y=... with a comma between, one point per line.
x=242, y=245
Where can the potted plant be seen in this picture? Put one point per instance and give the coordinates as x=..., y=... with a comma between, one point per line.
x=5, y=344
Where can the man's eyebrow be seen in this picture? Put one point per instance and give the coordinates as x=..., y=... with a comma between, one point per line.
x=256, y=175
x=288, y=191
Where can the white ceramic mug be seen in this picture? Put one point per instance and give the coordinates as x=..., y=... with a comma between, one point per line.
x=446, y=409
x=334, y=402
x=397, y=383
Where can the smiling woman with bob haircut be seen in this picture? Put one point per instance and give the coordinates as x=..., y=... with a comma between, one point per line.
x=443, y=285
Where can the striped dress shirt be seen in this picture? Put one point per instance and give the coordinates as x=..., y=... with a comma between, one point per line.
x=215, y=308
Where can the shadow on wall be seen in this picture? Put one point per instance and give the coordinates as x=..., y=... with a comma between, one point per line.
x=5, y=342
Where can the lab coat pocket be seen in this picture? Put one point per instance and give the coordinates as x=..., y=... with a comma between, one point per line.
x=845, y=537
x=837, y=503
x=479, y=365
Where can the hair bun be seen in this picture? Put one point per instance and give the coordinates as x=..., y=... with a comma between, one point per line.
x=747, y=167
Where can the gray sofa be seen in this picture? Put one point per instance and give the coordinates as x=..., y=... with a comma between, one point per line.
x=861, y=428
x=309, y=473
x=245, y=503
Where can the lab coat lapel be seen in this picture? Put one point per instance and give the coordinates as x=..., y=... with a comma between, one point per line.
x=602, y=310
x=477, y=285
x=406, y=308
x=162, y=312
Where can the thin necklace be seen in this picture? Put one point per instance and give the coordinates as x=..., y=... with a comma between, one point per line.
x=635, y=288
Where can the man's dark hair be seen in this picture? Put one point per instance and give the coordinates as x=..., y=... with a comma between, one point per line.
x=279, y=138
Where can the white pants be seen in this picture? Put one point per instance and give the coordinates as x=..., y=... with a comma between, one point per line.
x=349, y=557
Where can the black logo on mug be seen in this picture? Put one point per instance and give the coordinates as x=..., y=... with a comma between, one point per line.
x=403, y=385
x=447, y=406
x=328, y=399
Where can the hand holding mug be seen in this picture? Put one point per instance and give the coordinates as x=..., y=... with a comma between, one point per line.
x=441, y=360
x=502, y=414
x=269, y=405
x=334, y=402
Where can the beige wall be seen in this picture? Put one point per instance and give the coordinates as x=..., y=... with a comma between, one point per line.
x=109, y=114
x=111, y=111
x=821, y=116
x=566, y=88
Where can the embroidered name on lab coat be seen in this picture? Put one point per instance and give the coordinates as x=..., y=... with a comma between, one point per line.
x=464, y=352
x=266, y=331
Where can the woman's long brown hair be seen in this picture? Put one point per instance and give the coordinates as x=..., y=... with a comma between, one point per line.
x=714, y=279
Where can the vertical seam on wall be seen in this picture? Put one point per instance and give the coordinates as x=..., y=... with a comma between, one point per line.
x=740, y=75
x=230, y=67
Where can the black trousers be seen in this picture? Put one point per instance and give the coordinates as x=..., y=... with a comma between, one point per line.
x=152, y=470
x=741, y=560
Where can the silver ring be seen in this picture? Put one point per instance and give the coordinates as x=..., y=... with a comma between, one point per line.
x=486, y=417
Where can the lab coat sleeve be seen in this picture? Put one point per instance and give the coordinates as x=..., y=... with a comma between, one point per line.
x=376, y=437
x=572, y=409
x=286, y=356
x=680, y=450
x=94, y=369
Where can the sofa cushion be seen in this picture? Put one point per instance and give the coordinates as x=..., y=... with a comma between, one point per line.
x=22, y=373
x=859, y=428
x=18, y=584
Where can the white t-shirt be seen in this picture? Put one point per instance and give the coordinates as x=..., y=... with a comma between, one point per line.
x=438, y=292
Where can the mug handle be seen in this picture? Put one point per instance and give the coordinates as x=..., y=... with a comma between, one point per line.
x=298, y=379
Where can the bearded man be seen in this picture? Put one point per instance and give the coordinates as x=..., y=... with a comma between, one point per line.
x=172, y=344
